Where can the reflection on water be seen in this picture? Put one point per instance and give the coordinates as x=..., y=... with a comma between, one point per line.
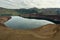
x=17, y=22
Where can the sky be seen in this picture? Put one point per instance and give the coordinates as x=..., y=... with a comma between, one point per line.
x=17, y=4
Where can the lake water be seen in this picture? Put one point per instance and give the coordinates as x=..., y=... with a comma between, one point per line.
x=17, y=22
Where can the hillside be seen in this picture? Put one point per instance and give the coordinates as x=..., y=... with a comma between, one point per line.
x=48, y=11
x=7, y=12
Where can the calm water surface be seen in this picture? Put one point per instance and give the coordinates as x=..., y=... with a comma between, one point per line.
x=17, y=22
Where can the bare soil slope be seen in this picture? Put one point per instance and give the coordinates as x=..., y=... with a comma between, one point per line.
x=10, y=34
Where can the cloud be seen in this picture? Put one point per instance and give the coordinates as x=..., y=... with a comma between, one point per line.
x=17, y=4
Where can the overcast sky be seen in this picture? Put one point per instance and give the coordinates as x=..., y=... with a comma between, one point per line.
x=17, y=4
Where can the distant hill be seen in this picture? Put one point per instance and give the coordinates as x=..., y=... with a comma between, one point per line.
x=48, y=11
x=7, y=12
